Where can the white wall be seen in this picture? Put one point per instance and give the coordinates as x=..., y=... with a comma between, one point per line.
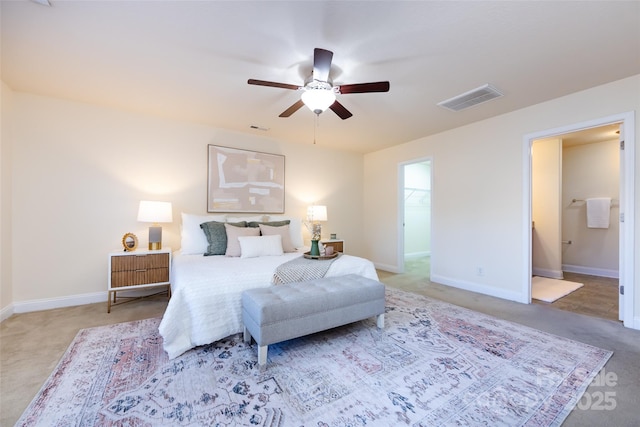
x=546, y=192
x=6, y=290
x=79, y=172
x=591, y=170
x=477, y=190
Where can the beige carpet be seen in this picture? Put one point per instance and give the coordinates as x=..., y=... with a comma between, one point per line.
x=549, y=290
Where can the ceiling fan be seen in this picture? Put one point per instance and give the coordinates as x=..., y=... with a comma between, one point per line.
x=319, y=93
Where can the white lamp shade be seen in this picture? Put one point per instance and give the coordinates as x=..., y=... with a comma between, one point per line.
x=317, y=213
x=155, y=212
x=318, y=100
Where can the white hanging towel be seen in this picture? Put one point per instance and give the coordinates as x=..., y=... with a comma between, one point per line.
x=598, y=210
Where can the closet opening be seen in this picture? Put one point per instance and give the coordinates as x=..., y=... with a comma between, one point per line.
x=414, y=256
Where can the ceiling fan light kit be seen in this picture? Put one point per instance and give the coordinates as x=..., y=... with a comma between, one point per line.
x=318, y=91
x=318, y=97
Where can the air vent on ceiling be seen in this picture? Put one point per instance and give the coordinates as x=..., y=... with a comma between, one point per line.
x=469, y=99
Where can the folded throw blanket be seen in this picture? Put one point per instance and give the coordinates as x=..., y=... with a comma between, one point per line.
x=301, y=269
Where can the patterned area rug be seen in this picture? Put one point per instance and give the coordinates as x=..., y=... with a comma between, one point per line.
x=433, y=364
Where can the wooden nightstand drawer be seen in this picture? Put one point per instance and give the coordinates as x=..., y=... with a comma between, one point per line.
x=139, y=262
x=141, y=276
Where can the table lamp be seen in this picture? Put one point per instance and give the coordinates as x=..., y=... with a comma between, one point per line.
x=155, y=212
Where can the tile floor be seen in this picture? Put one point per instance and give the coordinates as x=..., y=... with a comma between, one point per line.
x=598, y=297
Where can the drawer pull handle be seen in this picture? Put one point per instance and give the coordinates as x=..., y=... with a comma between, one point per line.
x=141, y=270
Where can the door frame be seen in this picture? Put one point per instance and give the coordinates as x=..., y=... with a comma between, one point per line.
x=401, y=208
x=627, y=228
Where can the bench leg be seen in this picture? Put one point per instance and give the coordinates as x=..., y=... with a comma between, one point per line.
x=380, y=321
x=246, y=335
x=262, y=354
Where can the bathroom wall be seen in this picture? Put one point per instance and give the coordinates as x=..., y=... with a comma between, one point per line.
x=590, y=170
x=546, y=181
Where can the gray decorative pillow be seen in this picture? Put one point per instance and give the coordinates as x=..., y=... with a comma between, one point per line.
x=217, y=236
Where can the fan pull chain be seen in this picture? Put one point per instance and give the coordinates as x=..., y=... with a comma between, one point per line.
x=315, y=128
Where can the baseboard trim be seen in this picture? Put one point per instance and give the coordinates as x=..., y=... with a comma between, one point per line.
x=600, y=272
x=479, y=288
x=6, y=312
x=60, y=302
x=68, y=301
x=636, y=323
x=544, y=272
x=413, y=255
x=386, y=267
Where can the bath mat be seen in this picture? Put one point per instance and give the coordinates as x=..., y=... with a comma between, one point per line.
x=550, y=290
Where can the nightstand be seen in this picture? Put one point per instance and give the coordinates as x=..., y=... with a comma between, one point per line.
x=136, y=270
x=338, y=245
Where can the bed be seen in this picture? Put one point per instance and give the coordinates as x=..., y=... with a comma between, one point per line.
x=205, y=304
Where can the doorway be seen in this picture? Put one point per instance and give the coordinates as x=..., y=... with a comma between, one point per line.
x=626, y=206
x=415, y=208
x=567, y=170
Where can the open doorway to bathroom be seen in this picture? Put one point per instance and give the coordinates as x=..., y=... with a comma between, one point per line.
x=416, y=217
x=575, y=262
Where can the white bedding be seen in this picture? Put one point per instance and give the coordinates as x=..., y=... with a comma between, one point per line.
x=205, y=303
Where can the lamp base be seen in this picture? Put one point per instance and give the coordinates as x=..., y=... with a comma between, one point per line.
x=155, y=238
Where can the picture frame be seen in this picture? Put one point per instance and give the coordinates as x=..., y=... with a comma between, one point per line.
x=244, y=181
x=129, y=242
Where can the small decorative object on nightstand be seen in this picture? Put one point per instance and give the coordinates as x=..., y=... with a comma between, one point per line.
x=129, y=242
x=138, y=270
x=315, y=213
x=338, y=245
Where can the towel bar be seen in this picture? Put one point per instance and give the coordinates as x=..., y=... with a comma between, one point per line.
x=614, y=202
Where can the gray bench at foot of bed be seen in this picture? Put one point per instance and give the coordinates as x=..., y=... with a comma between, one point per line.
x=283, y=312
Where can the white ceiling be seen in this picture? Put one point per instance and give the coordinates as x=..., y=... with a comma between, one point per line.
x=591, y=136
x=190, y=60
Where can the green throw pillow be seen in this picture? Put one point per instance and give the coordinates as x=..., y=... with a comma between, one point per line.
x=217, y=236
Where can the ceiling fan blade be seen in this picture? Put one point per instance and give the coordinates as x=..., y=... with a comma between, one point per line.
x=364, y=87
x=321, y=64
x=295, y=107
x=272, y=84
x=339, y=109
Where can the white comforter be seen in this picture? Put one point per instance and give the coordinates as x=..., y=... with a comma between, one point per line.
x=205, y=303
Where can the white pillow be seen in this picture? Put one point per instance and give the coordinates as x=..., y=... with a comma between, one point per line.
x=233, y=233
x=295, y=229
x=255, y=246
x=193, y=239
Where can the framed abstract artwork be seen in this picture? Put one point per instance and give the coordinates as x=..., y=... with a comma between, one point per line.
x=244, y=181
